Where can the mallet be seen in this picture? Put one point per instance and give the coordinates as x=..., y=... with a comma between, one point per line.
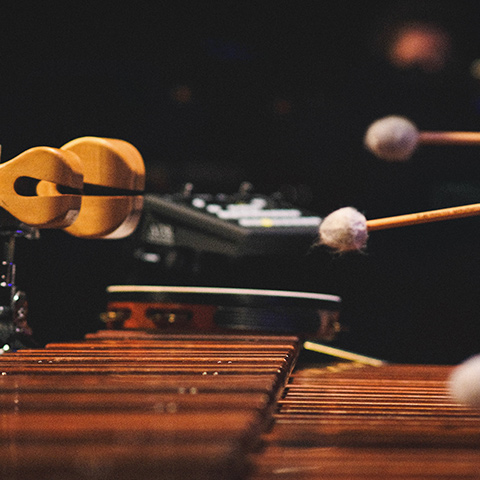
x=396, y=138
x=464, y=382
x=347, y=229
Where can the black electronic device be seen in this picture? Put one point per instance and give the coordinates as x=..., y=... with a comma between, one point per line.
x=235, y=225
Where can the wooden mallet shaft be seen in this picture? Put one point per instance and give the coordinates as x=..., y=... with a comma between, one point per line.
x=424, y=217
x=449, y=138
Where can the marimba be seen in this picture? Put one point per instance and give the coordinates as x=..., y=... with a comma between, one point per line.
x=133, y=404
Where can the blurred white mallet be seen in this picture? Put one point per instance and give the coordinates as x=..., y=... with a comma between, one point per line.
x=464, y=382
x=347, y=229
x=395, y=138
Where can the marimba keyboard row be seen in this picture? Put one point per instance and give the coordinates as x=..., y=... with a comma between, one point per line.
x=125, y=406
x=147, y=406
x=356, y=422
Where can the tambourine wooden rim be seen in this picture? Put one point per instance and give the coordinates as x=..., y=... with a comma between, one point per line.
x=227, y=308
x=242, y=297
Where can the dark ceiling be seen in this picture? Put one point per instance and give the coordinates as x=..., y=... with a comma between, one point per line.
x=107, y=68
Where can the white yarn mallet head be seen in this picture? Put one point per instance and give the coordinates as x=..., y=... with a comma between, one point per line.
x=347, y=229
x=392, y=138
x=344, y=230
x=464, y=382
x=396, y=138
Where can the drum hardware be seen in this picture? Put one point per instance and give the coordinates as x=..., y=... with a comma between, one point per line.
x=14, y=329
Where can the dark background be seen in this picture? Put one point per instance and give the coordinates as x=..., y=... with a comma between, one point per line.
x=278, y=93
x=108, y=69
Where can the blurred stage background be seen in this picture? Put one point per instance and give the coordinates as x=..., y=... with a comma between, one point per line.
x=276, y=93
